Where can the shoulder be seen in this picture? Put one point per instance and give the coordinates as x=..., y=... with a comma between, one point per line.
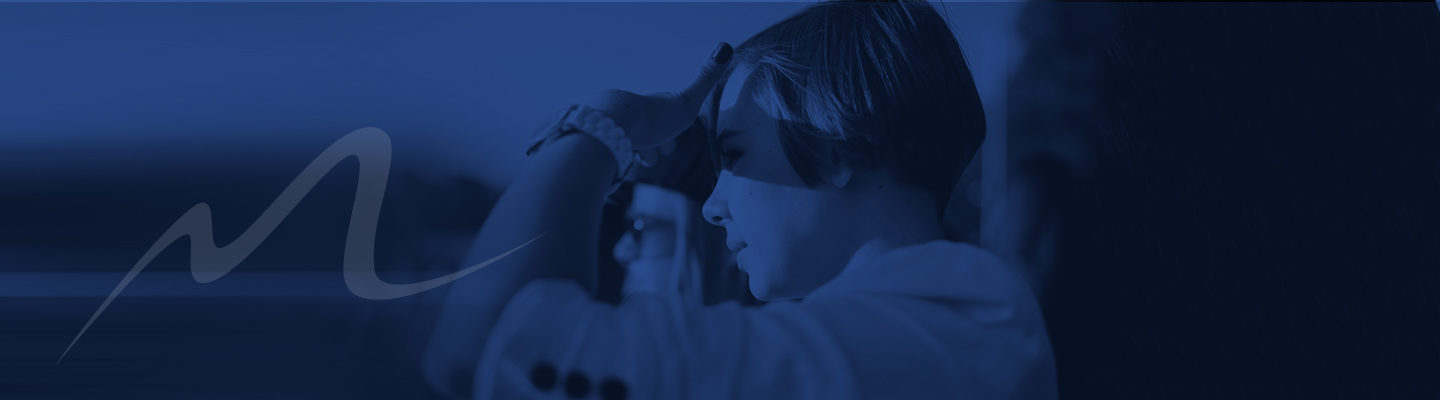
x=940, y=317
x=938, y=270
x=554, y=341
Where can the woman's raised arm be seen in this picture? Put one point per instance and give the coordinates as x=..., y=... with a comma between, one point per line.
x=560, y=195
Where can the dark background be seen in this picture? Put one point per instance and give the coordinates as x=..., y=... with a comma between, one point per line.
x=1255, y=212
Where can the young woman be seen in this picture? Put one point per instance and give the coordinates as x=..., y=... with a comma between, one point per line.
x=848, y=129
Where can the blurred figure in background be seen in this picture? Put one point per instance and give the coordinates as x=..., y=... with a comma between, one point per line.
x=668, y=249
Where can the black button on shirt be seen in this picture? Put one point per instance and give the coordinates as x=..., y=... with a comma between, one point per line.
x=613, y=389
x=577, y=385
x=543, y=376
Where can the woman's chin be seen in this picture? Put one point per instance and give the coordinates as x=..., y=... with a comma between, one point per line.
x=765, y=290
x=762, y=286
x=760, y=292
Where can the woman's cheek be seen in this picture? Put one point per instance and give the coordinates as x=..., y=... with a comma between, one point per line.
x=740, y=200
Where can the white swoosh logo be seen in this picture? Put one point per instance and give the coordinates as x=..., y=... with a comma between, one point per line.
x=208, y=262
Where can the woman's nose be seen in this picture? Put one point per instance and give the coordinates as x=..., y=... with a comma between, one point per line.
x=626, y=250
x=716, y=210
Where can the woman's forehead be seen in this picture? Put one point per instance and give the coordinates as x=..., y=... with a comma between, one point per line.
x=734, y=86
x=741, y=85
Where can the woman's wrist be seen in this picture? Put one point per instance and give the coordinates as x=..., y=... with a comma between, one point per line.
x=588, y=153
x=588, y=121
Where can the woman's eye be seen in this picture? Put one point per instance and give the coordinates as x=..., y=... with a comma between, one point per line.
x=636, y=228
x=728, y=158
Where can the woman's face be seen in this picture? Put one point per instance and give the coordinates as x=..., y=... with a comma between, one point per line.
x=786, y=234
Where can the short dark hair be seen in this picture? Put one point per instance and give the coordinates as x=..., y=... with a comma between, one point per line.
x=878, y=85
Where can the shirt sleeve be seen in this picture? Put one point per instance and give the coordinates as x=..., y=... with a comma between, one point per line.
x=554, y=341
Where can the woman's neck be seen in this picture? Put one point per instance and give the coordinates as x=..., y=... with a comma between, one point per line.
x=895, y=218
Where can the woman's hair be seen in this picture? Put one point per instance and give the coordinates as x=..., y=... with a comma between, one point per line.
x=876, y=85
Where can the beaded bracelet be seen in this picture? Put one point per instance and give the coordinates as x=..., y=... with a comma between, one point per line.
x=583, y=119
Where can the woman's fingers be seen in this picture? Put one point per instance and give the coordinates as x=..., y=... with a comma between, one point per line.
x=621, y=106
x=710, y=70
x=651, y=120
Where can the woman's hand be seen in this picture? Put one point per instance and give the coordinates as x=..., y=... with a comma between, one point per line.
x=652, y=120
x=559, y=195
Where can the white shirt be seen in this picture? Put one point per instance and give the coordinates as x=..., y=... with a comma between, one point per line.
x=936, y=320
